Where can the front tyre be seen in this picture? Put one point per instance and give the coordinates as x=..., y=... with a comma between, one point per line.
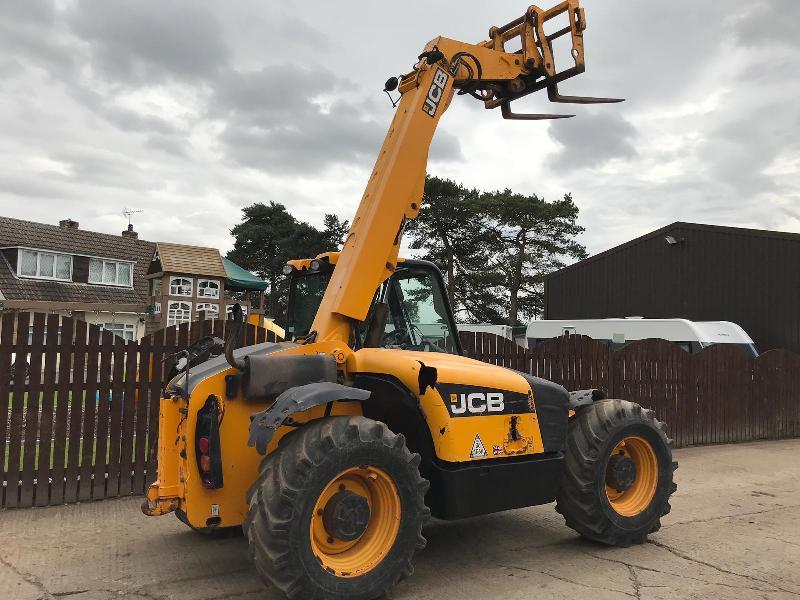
x=618, y=475
x=338, y=511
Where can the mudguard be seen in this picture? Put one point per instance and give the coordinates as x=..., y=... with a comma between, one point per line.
x=585, y=398
x=297, y=399
x=551, y=401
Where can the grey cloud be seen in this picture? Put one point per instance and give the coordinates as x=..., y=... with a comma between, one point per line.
x=649, y=52
x=591, y=140
x=769, y=23
x=129, y=120
x=35, y=12
x=67, y=66
x=38, y=44
x=271, y=25
x=171, y=145
x=104, y=168
x=142, y=43
x=36, y=37
x=10, y=67
x=125, y=119
x=445, y=148
x=306, y=141
x=272, y=92
x=293, y=119
x=35, y=188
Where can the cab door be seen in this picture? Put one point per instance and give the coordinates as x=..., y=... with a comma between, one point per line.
x=491, y=409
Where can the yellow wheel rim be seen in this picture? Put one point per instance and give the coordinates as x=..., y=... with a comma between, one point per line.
x=351, y=558
x=635, y=499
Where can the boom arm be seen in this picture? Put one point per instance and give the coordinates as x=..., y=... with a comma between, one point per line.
x=395, y=188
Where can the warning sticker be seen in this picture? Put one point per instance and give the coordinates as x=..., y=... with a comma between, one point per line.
x=478, y=449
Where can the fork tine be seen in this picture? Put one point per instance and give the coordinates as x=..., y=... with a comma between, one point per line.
x=554, y=96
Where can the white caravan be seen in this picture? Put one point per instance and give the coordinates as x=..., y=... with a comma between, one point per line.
x=692, y=336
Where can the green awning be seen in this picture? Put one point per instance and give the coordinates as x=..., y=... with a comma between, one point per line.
x=239, y=279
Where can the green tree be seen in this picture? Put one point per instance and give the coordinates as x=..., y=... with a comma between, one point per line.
x=334, y=232
x=531, y=238
x=494, y=248
x=450, y=233
x=269, y=235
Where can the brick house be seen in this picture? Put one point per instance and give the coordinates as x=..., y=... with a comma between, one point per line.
x=187, y=280
x=62, y=269
x=121, y=283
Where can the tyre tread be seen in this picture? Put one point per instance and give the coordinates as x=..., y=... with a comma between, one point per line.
x=578, y=501
x=272, y=498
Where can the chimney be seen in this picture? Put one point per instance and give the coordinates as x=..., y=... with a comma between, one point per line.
x=68, y=224
x=130, y=233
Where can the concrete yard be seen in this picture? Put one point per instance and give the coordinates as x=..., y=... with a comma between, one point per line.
x=734, y=532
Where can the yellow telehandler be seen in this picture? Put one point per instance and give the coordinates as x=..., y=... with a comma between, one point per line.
x=332, y=450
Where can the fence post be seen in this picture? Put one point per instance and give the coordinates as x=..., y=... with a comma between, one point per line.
x=16, y=421
x=6, y=340
x=717, y=396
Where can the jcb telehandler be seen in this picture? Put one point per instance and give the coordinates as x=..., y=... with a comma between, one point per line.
x=332, y=450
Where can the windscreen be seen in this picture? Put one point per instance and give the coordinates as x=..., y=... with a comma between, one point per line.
x=419, y=319
x=305, y=296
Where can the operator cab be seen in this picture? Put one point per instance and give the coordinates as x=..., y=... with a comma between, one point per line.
x=409, y=310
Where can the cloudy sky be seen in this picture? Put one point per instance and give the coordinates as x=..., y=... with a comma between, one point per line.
x=191, y=110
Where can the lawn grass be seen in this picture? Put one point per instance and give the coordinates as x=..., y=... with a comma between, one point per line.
x=52, y=454
x=50, y=451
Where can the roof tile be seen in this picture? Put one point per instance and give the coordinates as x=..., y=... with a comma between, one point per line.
x=191, y=260
x=41, y=236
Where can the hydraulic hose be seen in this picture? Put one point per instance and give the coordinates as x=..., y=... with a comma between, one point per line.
x=234, y=330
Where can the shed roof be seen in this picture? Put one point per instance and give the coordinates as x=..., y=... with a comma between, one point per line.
x=763, y=233
x=191, y=260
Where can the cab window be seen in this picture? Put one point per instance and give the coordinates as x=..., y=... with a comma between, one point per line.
x=305, y=296
x=418, y=316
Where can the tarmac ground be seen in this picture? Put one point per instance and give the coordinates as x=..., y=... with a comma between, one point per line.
x=734, y=532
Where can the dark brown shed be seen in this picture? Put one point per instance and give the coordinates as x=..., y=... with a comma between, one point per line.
x=691, y=271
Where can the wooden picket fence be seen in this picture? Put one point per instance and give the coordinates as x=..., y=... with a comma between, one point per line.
x=83, y=424
x=719, y=395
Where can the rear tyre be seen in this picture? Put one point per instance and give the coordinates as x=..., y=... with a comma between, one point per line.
x=337, y=512
x=617, y=480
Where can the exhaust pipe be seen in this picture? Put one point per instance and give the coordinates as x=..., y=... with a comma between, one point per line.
x=234, y=330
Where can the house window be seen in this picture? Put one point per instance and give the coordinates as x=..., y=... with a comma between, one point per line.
x=207, y=288
x=110, y=272
x=44, y=265
x=180, y=286
x=126, y=331
x=179, y=312
x=211, y=309
x=156, y=287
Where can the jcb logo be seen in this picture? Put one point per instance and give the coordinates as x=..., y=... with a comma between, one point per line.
x=477, y=403
x=435, y=92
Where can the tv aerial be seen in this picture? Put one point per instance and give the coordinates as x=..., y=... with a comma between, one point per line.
x=129, y=212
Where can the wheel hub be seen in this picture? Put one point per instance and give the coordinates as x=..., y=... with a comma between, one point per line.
x=621, y=472
x=346, y=516
x=355, y=521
